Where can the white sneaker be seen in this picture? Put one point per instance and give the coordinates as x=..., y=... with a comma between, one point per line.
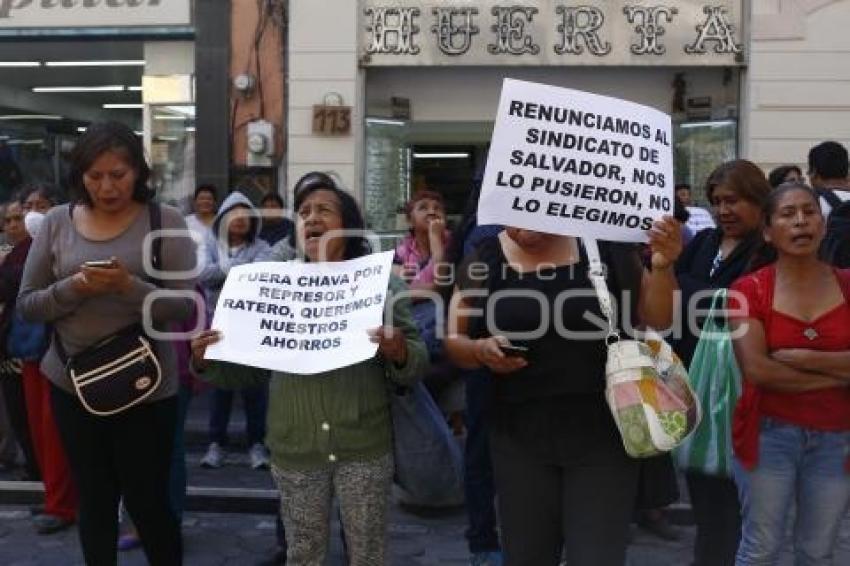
x=214, y=456
x=259, y=457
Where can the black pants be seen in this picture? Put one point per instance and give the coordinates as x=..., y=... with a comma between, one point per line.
x=717, y=514
x=129, y=455
x=16, y=409
x=544, y=507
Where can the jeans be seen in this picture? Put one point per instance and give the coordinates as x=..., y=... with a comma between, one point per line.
x=800, y=467
x=255, y=401
x=479, y=490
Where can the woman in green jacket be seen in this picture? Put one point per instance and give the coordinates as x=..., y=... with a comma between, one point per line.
x=330, y=434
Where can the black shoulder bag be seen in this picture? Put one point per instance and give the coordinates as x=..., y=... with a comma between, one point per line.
x=121, y=370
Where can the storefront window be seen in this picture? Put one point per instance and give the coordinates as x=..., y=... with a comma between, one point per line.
x=387, y=182
x=52, y=90
x=699, y=147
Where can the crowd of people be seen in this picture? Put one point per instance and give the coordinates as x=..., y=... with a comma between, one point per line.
x=546, y=477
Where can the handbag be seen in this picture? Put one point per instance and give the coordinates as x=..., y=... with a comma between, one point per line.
x=428, y=458
x=122, y=370
x=716, y=378
x=27, y=340
x=646, y=384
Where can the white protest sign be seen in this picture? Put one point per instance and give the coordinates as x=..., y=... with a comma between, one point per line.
x=569, y=162
x=302, y=318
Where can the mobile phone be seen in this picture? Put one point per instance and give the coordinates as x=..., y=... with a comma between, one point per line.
x=514, y=351
x=102, y=263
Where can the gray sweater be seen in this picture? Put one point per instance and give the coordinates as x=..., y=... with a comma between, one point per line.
x=47, y=293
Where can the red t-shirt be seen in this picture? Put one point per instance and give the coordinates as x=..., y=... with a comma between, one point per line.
x=823, y=409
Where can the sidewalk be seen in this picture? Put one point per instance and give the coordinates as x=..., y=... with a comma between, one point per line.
x=213, y=539
x=231, y=521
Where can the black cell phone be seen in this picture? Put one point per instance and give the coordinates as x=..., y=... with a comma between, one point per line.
x=102, y=263
x=514, y=351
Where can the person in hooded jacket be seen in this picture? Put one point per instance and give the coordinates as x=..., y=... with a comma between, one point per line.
x=234, y=240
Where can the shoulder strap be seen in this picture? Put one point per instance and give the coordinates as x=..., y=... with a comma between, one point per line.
x=596, y=273
x=155, y=212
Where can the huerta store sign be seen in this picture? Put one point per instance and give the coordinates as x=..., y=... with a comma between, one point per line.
x=552, y=32
x=93, y=13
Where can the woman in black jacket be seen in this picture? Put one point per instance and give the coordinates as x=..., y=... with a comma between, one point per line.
x=714, y=259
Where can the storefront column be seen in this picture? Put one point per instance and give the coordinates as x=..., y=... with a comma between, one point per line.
x=323, y=64
x=212, y=52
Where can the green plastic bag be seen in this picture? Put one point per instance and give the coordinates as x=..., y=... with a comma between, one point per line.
x=716, y=380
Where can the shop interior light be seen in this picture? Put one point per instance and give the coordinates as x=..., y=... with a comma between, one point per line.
x=708, y=124
x=98, y=63
x=98, y=88
x=190, y=128
x=82, y=129
x=8, y=64
x=386, y=121
x=134, y=88
x=30, y=117
x=25, y=142
x=185, y=109
x=171, y=117
x=111, y=106
x=459, y=155
x=167, y=138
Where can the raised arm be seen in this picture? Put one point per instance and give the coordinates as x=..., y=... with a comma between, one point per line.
x=42, y=298
x=655, y=306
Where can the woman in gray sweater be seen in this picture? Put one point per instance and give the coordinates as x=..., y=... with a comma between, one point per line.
x=127, y=454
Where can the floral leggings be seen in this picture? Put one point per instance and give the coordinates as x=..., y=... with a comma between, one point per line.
x=306, y=496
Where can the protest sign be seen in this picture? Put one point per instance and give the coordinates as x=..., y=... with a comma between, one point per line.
x=302, y=318
x=569, y=162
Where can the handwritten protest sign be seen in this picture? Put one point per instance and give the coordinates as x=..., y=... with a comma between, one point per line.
x=302, y=318
x=569, y=162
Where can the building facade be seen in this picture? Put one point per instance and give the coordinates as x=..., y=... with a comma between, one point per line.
x=798, y=87
x=422, y=80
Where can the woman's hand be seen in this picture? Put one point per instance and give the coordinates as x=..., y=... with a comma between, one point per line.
x=391, y=343
x=488, y=353
x=665, y=241
x=103, y=280
x=199, y=347
x=437, y=238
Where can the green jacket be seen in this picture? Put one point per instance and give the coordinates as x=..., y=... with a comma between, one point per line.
x=339, y=416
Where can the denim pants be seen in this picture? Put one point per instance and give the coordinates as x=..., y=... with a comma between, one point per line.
x=255, y=401
x=479, y=491
x=796, y=467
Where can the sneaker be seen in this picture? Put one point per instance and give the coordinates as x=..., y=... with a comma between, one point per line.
x=214, y=456
x=489, y=558
x=129, y=541
x=259, y=457
x=49, y=524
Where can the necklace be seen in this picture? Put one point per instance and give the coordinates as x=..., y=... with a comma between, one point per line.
x=810, y=333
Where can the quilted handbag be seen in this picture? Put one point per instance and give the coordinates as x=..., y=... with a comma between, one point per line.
x=646, y=384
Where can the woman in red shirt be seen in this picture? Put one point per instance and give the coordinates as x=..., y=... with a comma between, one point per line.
x=792, y=423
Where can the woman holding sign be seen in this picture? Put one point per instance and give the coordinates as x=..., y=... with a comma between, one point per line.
x=330, y=433
x=562, y=475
